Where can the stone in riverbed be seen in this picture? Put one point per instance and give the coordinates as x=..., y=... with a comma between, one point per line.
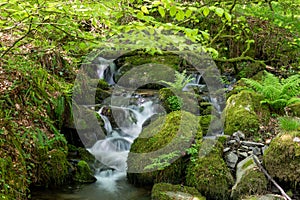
x=83, y=173
x=166, y=191
x=249, y=180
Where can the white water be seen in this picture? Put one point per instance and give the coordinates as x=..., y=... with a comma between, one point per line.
x=113, y=150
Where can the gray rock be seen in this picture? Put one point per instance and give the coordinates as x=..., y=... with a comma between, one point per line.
x=252, y=144
x=243, y=154
x=256, y=151
x=231, y=159
x=239, y=134
x=226, y=149
x=245, y=148
x=231, y=142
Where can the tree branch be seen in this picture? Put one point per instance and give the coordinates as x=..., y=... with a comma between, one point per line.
x=18, y=40
x=271, y=179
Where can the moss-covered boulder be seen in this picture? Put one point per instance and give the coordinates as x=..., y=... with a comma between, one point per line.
x=83, y=173
x=166, y=191
x=244, y=112
x=282, y=157
x=53, y=169
x=159, y=153
x=208, y=172
x=249, y=180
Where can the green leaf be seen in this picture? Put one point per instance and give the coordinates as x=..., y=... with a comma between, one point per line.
x=180, y=15
x=140, y=15
x=219, y=11
x=188, y=13
x=205, y=35
x=228, y=16
x=161, y=11
x=145, y=9
x=173, y=11
x=206, y=11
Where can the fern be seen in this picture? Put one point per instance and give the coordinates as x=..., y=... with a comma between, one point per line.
x=181, y=79
x=277, y=93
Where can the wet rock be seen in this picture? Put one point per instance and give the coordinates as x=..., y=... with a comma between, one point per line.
x=83, y=173
x=165, y=191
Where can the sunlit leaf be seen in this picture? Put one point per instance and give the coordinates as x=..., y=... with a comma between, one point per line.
x=206, y=11
x=161, y=11
x=173, y=11
x=180, y=15
x=145, y=9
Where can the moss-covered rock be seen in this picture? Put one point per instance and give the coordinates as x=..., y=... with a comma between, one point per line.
x=282, y=158
x=158, y=153
x=166, y=191
x=295, y=109
x=264, y=197
x=53, y=169
x=83, y=173
x=177, y=100
x=209, y=173
x=249, y=180
x=244, y=112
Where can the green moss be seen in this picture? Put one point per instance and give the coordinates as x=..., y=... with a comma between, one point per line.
x=205, y=122
x=13, y=183
x=209, y=173
x=164, y=191
x=54, y=167
x=244, y=112
x=85, y=155
x=295, y=109
x=252, y=182
x=160, y=148
x=83, y=173
x=282, y=158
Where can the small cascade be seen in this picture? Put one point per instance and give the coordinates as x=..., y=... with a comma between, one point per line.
x=106, y=69
x=113, y=151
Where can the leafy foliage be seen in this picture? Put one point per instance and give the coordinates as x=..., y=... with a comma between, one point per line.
x=181, y=79
x=277, y=93
x=174, y=102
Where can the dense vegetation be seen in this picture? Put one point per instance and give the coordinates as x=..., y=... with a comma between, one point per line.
x=43, y=43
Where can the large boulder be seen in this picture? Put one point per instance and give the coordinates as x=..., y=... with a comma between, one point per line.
x=249, y=179
x=282, y=157
x=166, y=191
x=159, y=153
x=244, y=112
x=264, y=197
x=208, y=172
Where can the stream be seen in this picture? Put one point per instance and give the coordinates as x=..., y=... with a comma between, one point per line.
x=112, y=151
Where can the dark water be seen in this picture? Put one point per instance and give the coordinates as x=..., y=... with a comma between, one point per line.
x=114, y=187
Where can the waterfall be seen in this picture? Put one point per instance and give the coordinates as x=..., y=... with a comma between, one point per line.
x=105, y=69
x=113, y=151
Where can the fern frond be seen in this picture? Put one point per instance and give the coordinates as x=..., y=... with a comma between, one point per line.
x=293, y=100
x=254, y=84
x=271, y=79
